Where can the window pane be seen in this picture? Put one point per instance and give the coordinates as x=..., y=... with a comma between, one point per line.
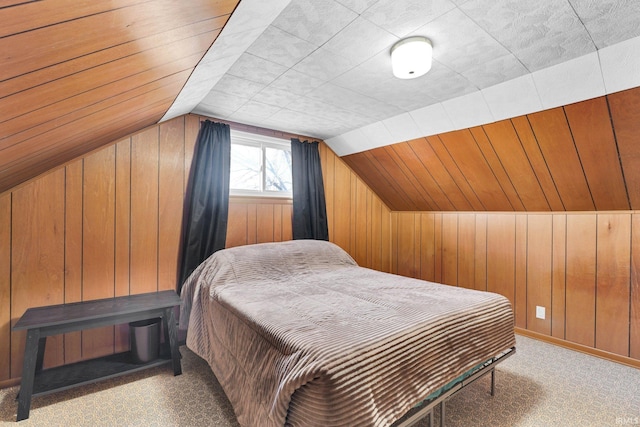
x=245, y=167
x=278, y=169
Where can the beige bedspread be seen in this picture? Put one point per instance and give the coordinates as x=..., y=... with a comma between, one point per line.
x=296, y=333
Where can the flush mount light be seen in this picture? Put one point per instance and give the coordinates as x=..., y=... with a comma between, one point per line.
x=411, y=57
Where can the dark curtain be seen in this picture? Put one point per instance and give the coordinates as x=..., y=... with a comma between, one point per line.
x=309, y=207
x=206, y=211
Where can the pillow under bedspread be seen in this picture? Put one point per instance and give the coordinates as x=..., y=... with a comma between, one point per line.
x=297, y=333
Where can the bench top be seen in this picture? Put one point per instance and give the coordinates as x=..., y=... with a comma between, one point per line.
x=41, y=317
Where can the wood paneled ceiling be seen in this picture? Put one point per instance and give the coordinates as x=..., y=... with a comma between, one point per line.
x=75, y=75
x=580, y=157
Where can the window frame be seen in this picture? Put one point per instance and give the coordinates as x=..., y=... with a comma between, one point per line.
x=263, y=142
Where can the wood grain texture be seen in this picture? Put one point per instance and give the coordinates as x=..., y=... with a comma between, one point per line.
x=360, y=226
x=107, y=224
x=252, y=226
x=508, y=148
x=439, y=144
x=24, y=161
x=581, y=279
x=427, y=247
x=537, y=161
x=438, y=246
x=539, y=271
x=521, y=284
x=81, y=64
x=170, y=201
x=328, y=170
x=421, y=177
x=342, y=198
x=407, y=245
x=450, y=249
x=497, y=169
x=43, y=14
x=237, y=225
x=634, y=312
x=471, y=162
x=29, y=50
x=480, y=253
x=497, y=250
x=122, y=238
x=613, y=283
x=264, y=227
x=394, y=242
x=73, y=244
x=388, y=171
x=466, y=245
x=407, y=180
x=98, y=250
x=353, y=214
x=143, y=259
x=501, y=255
x=625, y=116
x=554, y=137
x=580, y=157
x=592, y=133
x=127, y=67
x=441, y=176
x=575, y=265
x=376, y=242
x=558, y=276
x=5, y=286
x=364, y=168
x=387, y=238
x=67, y=97
x=37, y=259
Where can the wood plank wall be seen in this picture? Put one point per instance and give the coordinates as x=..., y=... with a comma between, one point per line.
x=108, y=225
x=77, y=75
x=579, y=157
x=582, y=267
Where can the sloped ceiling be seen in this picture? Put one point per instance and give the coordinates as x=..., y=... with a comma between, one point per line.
x=322, y=67
x=78, y=74
x=580, y=157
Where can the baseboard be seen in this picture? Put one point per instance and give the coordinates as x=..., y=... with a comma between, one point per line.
x=10, y=382
x=634, y=363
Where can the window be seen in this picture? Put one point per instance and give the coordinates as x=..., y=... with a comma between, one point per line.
x=260, y=165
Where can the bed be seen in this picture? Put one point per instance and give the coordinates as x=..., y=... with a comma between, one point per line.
x=298, y=334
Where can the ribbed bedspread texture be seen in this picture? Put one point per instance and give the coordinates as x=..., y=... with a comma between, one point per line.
x=298, y=334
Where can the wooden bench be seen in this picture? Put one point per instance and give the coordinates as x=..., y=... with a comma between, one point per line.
x=42, y=322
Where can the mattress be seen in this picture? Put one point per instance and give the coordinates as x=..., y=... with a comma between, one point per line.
x=298, y=334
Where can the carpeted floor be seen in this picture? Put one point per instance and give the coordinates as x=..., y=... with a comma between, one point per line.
x=540, y=386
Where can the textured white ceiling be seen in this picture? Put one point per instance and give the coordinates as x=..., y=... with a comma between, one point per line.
x=322, y=67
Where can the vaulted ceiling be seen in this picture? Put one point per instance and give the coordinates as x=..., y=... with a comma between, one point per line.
x=580, y=157
x=322, y=67
x=493, y=125
x=78, y=74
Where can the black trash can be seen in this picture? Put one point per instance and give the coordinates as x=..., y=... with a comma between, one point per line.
x=144, y=337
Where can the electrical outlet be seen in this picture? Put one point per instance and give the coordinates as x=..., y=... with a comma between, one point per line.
x=540, y=312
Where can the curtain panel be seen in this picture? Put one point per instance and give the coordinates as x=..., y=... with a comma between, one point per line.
x=206, y=211
x=309, y=206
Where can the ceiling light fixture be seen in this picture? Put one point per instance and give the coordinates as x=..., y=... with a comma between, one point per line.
x=411, y=57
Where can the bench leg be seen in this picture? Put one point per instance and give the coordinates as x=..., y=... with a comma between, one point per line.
x=29, y=365
x=170, y=325
x=40, y=360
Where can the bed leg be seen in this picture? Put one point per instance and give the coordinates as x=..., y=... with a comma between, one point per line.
x=493, y=382
x=442, y=413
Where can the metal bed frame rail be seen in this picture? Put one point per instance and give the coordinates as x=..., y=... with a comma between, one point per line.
x=425, y=408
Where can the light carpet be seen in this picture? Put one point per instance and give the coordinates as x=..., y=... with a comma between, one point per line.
x=542, y=385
